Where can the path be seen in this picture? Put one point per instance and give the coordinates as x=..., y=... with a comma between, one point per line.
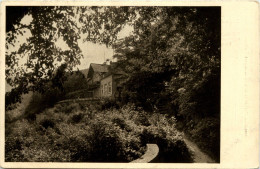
x=198, y=155
x=151, y=152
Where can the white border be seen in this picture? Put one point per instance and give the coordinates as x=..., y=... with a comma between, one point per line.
x=239, y=84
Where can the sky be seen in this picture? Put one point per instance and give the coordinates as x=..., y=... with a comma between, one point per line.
x=98, y=53
x=92, y=53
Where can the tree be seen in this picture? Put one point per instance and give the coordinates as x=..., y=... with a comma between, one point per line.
x=75, y=81
x=173, y=52
x=50, y=24
x=173, y=57
x=180, y=44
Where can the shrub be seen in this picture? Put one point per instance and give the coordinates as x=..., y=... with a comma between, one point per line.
x=80, y=149
x=75, y=81
x=40, y=101
x=199, y=111
x=108, y=103
x=69, y=108
x=65, y=134
x=207, y=135
x=106, y=143
x=46, y=123
x=13, y=147
x=142, y=119
x=162, y=131
x=76, y=118
x=120, y=122
x=17, y=109
x=36, y=105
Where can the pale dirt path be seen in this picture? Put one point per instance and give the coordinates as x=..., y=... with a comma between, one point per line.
x=198, y=155
x=151, y=152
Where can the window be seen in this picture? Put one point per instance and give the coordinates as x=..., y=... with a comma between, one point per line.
x=109, y=88
x=105, y=89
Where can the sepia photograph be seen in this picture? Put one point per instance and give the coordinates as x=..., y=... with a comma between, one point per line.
x=120, y=84
x=129, y=84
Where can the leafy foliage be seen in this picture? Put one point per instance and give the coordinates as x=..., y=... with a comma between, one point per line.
x=75, y=81
x=208, y=129
x=89, y=135
x=170, y=43
x=166, y=41
x=49, y=25
x=40, y=49
x=173, y=53
x=39, y=102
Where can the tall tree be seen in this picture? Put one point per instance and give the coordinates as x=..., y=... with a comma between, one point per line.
x=183, y=41
x=180, y=43
x=49, y=25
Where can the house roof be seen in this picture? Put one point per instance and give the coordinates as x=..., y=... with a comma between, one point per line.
x=84, y=72
x=104, y=70
x=99, y=67
x=113, y=70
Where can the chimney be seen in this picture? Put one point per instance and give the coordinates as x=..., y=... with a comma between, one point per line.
x=108, y=62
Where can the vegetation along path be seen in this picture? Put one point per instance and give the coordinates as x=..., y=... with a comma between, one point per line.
x=198, y=155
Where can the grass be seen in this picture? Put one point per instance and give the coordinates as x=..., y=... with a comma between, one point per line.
x=207, y=135
x=84, y=132
x=19, y=109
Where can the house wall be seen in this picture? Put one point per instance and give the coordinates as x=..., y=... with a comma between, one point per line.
x=106, y=87
x=96, y=92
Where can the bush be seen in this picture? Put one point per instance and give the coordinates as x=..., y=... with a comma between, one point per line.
x=69, y=108
x=13, y=147
x=120, y=122
x=198, y=114
x=74, y=82
x=40, y=101
x=68, y=133
x=76, y=118
x=106, y=142
x=108, y=103
x=46, y=123
x=207, y=135
x=80, y=149
x=142, y=119
x=170, y=142
x=117, y=138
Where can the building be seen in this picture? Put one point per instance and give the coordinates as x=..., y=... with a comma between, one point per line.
x=103, y=80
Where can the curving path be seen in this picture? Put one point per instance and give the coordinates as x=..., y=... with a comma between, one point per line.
x=198, y=155
x=151, y=152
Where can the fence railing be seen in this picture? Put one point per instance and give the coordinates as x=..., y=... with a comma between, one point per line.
x=79, y=94
x=79, y=100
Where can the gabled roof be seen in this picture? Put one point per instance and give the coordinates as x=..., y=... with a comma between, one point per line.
x=113, y=69
x=102, y=68
x=84, y=72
